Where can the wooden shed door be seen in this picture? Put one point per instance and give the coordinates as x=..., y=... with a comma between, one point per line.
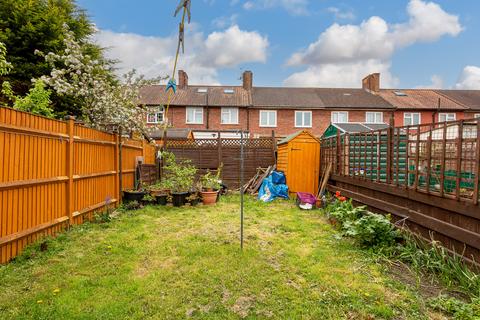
x=304, y=167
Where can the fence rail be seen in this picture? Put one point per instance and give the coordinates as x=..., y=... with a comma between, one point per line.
x=57, y=173
x=427, y=175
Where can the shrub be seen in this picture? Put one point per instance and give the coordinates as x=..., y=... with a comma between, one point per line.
x=373, y=230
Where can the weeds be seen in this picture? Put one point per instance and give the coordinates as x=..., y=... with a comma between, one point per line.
x=376, y=233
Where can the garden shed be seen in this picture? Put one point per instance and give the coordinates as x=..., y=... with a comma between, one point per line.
x=298, y=156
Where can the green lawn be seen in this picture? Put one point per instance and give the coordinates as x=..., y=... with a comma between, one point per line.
x=171, y=263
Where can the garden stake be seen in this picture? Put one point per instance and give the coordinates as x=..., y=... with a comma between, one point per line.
x=241, y=189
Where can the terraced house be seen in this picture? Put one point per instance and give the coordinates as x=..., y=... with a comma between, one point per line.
x=283, y=110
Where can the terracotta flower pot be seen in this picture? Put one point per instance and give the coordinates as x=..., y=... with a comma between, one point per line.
x=209, y=197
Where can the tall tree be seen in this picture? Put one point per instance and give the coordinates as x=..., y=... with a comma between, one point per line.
x=29, y=25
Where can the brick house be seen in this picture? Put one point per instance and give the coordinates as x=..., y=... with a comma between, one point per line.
x=416, y=106
x=260, y=110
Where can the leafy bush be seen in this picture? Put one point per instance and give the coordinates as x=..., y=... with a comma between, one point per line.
x=373, y=230
x=178, y=174
x=212, y=181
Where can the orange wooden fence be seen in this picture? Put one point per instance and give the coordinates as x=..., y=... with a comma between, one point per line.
x=57, y=173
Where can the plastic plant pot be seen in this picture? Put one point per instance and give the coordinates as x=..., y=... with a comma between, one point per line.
x=133, y=195
x=161, y=199
x=179, y=199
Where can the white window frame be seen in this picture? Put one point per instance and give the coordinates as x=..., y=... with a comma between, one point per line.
x=267, y=112
x=375, y=114
x=447, y=115
x=411, y=117
x=303, y=119
x=162, y=112
x=230, y=111
x=337, y=113
x=196, y=111
x=476, y=116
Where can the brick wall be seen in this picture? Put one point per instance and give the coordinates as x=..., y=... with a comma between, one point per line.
x=285, y=120
x=425, y=116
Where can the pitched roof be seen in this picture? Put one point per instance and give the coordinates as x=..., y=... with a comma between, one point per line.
x=424, y=99
x=316, y=98
x=191, y=96
x=468, y=98
x=294, y=135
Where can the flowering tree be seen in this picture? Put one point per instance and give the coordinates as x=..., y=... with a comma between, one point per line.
x=104, y=102
x=5, y=66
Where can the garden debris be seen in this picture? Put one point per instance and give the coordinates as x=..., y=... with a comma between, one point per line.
x=274, y=186
x=255, y=182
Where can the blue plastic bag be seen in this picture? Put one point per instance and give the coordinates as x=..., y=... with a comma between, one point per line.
x=269, y=191
x=278, y=177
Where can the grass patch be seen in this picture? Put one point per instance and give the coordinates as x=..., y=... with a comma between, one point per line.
x=170, y=263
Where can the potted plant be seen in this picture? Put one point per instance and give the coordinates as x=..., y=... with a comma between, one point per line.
x=148, y=199
x=136, y=194
x=211, y=183
x=160, y=191
x=180, y=175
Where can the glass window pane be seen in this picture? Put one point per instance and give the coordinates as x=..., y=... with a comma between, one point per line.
x=151, y=117
x=307, y=119
x=298, y=119
x=234, y=115
x=272, y=116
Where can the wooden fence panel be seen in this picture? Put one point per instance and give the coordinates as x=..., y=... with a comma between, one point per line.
x=55, y=173
x=208, y=154
x=429, y=177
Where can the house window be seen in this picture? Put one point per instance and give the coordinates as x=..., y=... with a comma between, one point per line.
x=268, y=118
x=339, y=116
x=442, y=117
x=303, y=119
x=194, y=115
x=229, y=116
x=155, y=117
x=410, y=119
x=374, y=117
x=477, y=116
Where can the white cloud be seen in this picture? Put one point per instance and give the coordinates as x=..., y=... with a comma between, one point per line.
x=295, y=7
x=469, y=78
x=369, y=46
x=340, y=14
x=341, y=74
x=204, y=56
x=436, y=83
x=224, y=21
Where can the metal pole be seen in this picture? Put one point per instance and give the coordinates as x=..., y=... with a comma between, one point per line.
x=241, y=190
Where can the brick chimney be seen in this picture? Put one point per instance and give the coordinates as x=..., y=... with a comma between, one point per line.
x=247, y=80
x=371, y=83
x=182, y=79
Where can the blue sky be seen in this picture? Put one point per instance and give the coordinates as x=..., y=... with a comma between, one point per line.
x=322, y=43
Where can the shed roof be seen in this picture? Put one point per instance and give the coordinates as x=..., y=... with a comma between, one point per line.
x=172, y=133
x=294, y=135
x=352, y=127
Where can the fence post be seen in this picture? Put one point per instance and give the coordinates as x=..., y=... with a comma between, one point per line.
x=116, y=161
x=337, y=161
x=70, y=147
x=389, y=149
x=120, y=174
x=219, y=148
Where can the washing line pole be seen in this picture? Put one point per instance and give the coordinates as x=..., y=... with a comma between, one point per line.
x=241, y=189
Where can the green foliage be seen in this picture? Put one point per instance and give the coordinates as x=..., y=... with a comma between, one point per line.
x=37, y=101
x=212, y=181
x=26, y=26
x=373, y=231
x=178, y=174
x=148, y=198
x=132, y=205
x=456, y=308
x=5, y=66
